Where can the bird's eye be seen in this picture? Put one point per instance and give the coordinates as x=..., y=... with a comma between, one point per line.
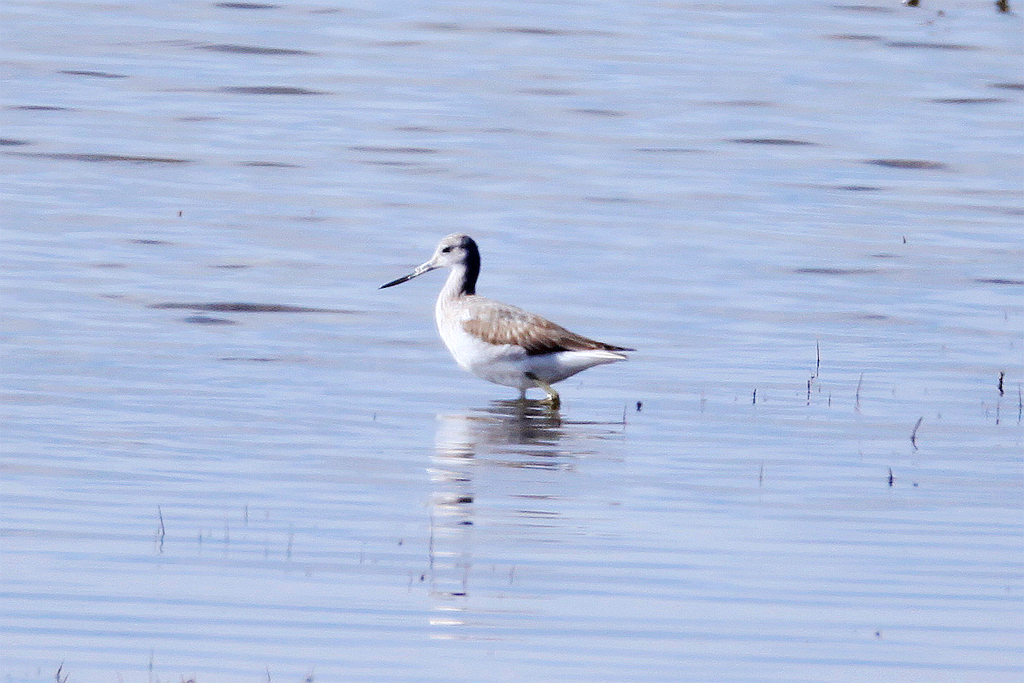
x=446, y=250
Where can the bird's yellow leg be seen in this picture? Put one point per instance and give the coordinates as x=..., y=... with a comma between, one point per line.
x=552, y=398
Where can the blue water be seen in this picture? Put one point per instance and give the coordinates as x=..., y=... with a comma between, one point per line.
x=804, y=216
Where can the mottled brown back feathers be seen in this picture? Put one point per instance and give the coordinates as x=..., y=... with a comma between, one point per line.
x=502, y=324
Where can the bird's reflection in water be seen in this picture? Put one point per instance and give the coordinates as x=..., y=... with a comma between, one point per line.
x=504, y=437
x=526, y=428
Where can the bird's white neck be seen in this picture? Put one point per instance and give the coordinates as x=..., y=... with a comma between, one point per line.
x=462, y=278
x=454, y=286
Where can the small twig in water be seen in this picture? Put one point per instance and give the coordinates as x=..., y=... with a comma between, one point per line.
x=856, y=406
x=913, y=434
x=161, y=531
x=760, y=475
x=1001, y=375
x=817, y=355
x=57, y=677
x=891, y=478
x=753, y=400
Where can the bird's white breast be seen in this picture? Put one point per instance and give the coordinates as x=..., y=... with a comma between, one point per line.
x=504, y=364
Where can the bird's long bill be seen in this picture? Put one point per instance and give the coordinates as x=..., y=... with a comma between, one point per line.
x=426, y=267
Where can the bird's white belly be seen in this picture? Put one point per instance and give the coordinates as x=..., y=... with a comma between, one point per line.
x=509, y=365
x=503, y=364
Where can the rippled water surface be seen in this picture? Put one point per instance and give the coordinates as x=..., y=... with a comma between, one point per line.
x=228, y=457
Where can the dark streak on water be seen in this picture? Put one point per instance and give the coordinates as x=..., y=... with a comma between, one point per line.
x=252, y=50
x=667, y=150
x=103, y=157
x=908, y=164
x=238, y=307
x=852, y=36
x=91, y=74
x=540, y=31
x=999, y=281
x=245, y=5
x=836, y=271
x=879, y=9
x=548, y=92
x=740, y=103
x=438, y=26
x=600, y=112
x=207, y=320
x=394, y=150
x=968, y=100
x=921, y=45
x=530, y=31
x=268, y=164
x=269, y=90
x=39, y=107
x=773, y=141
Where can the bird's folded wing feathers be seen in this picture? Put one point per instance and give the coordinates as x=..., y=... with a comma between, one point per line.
x=497, y=323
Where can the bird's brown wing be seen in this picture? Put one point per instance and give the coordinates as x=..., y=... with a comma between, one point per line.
x=497, y=323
